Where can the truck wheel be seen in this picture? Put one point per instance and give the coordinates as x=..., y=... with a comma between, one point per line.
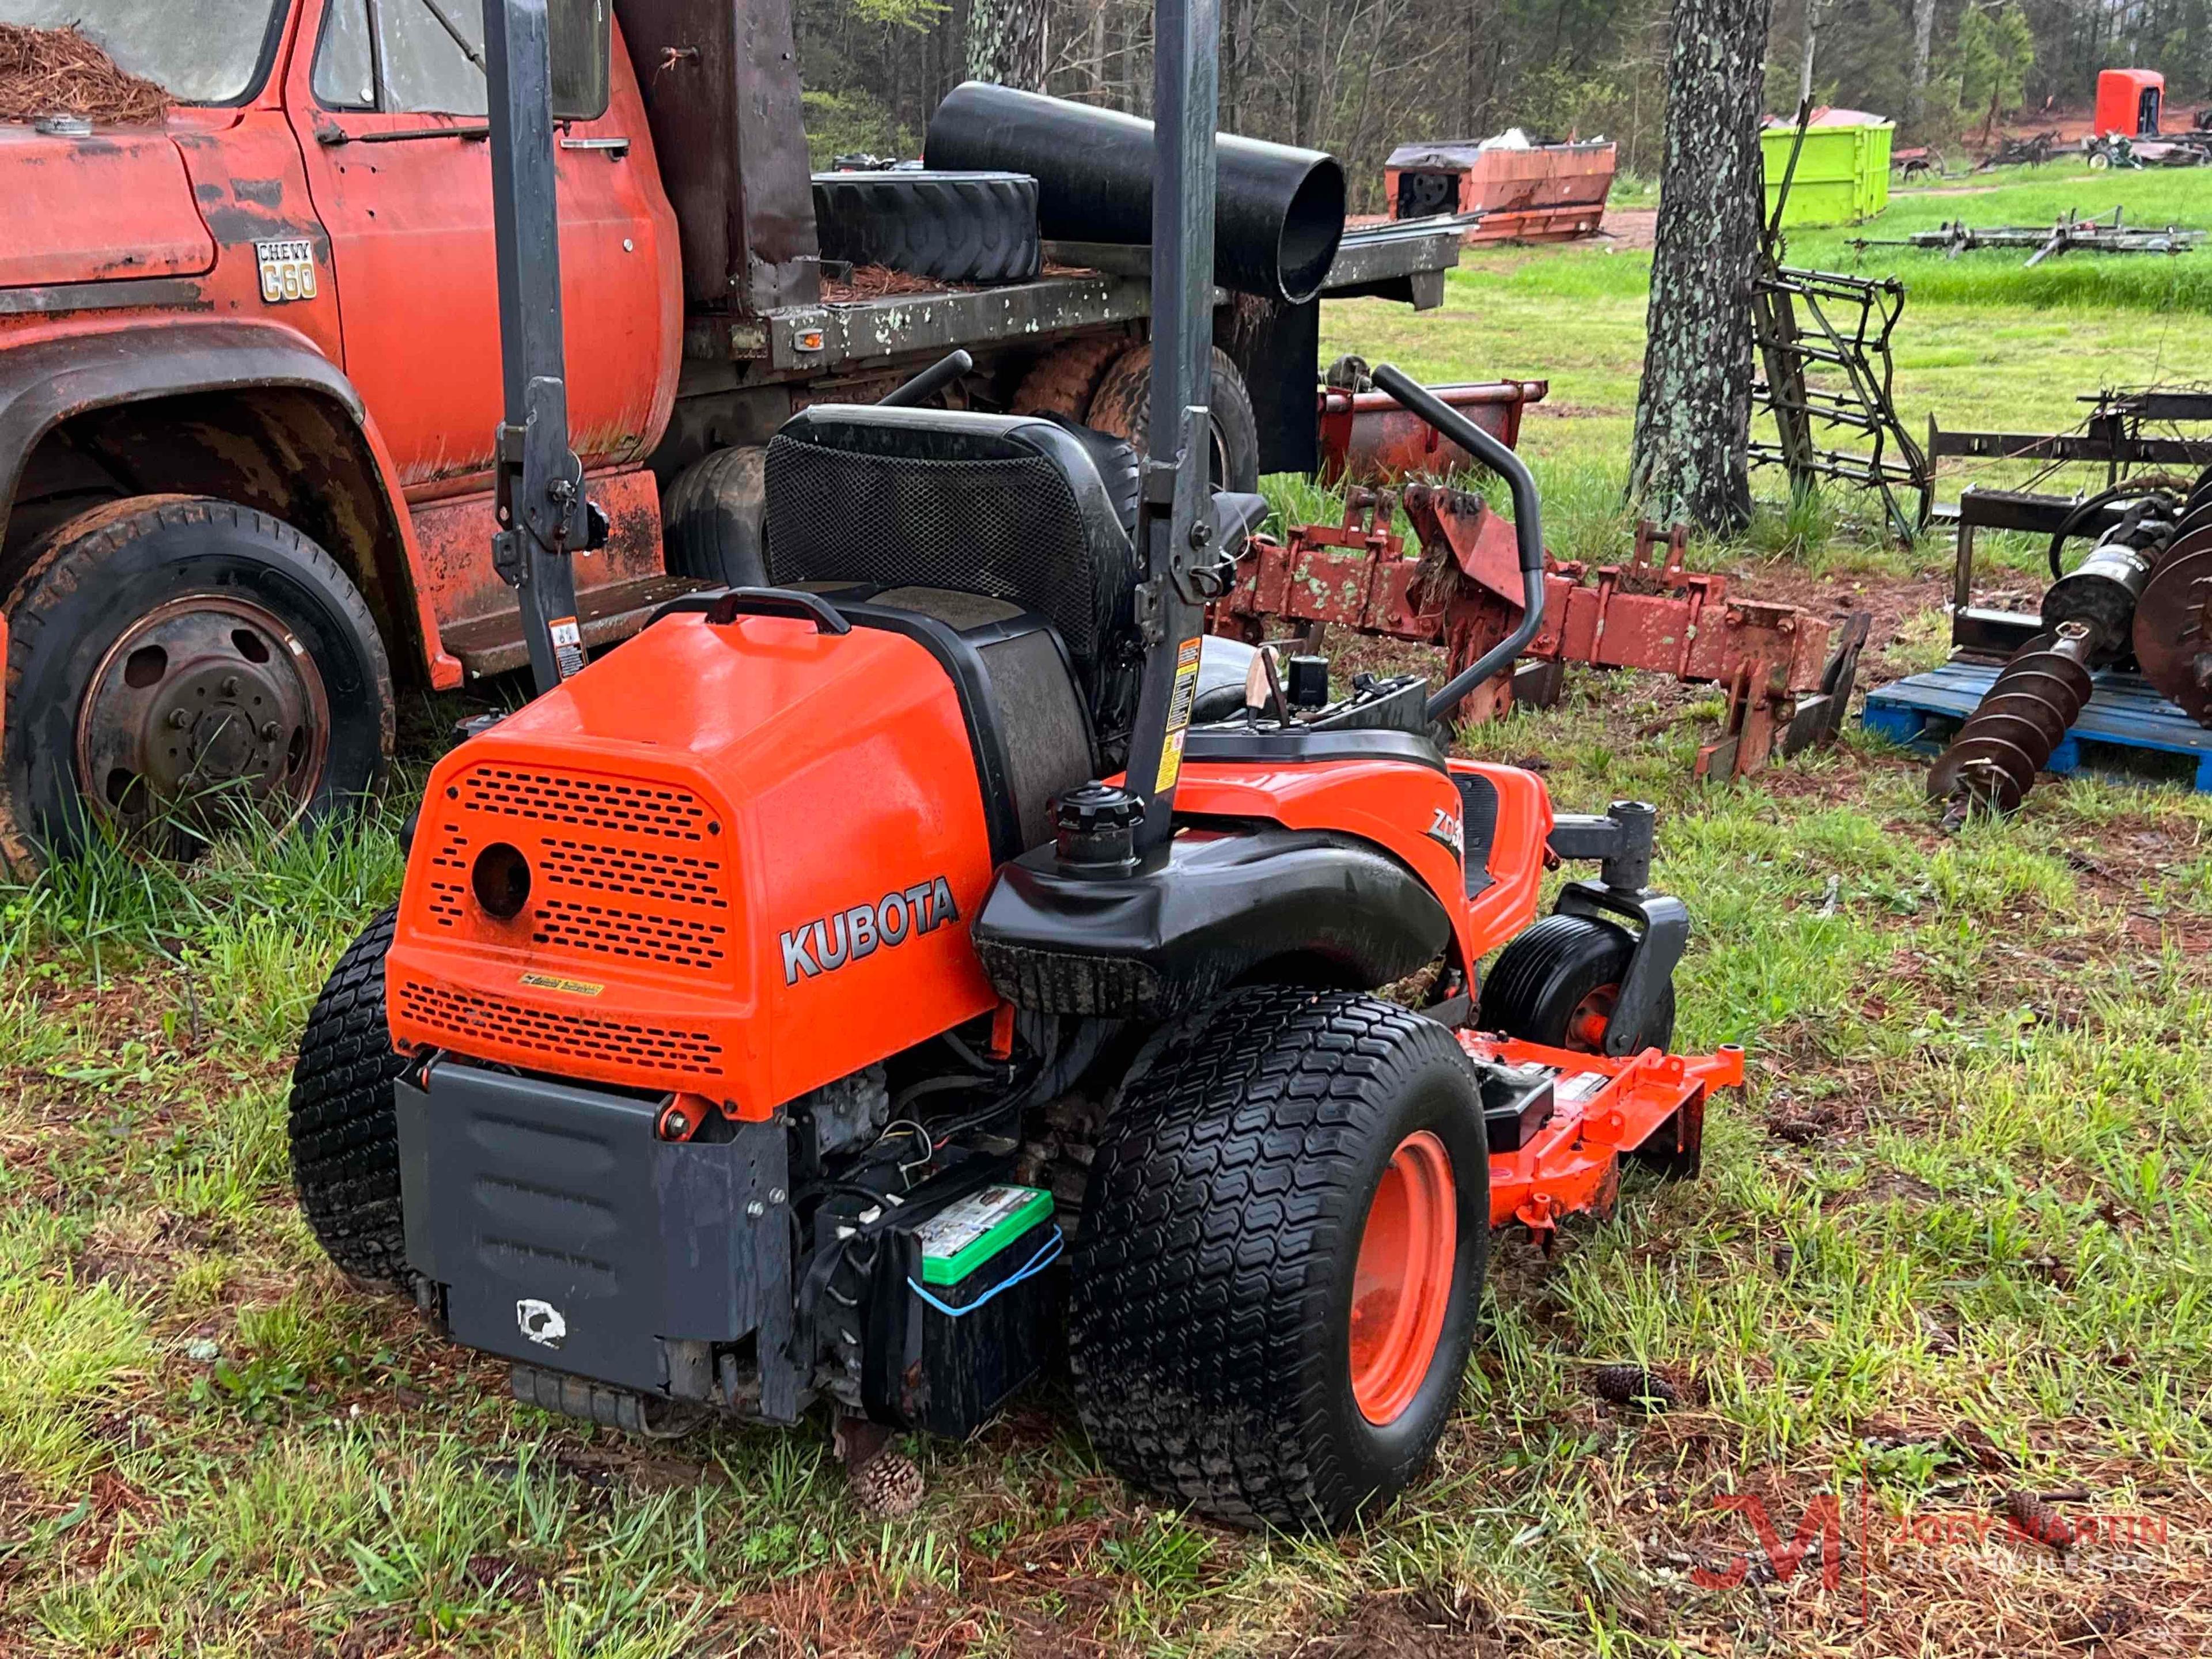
x=1061, y=382
x=955, y=227
x=1284, y=1235
x=1122, y=406
x=169, y=647
x=1557, y=985
x=345, y=1142
x=712, y=517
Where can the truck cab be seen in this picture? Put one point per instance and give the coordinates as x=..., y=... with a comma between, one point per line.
x=250, y=376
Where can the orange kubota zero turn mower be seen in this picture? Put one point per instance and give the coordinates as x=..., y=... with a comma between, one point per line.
x=842, y=990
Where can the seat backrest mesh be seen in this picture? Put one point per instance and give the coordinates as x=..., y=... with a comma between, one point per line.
x=977, y=504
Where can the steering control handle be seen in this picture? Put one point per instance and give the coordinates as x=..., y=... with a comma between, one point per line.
x=1527, y=527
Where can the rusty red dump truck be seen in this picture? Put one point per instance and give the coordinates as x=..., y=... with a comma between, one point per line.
x=249, y=373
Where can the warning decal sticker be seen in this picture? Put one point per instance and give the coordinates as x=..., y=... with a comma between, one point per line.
x=1179, y=708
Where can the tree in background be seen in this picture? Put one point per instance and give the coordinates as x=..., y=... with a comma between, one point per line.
x=1006, y=42
x=1924, y=41
x=1995, y=50
x=1694, y=409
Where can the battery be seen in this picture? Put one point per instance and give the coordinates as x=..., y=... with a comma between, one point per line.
x=981, y=1294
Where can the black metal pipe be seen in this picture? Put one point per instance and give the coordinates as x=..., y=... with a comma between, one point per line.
x=1527, y=527
x=1279, y=211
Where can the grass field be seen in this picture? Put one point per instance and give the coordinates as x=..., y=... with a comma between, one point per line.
x=1954, y=1241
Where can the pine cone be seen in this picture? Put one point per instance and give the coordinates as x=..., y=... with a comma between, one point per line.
x=888, y=1486
x=1633, y=1385
x=2036, y=1519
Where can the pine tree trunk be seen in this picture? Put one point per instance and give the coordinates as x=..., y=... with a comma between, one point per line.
x=1694, y=409
x=1005, y=43
x=1923, y=37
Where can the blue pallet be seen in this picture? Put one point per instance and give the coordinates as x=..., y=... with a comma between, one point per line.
x=2122, y=712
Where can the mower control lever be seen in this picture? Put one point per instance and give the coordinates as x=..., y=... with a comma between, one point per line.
x=927, y=383
x=1528, y=526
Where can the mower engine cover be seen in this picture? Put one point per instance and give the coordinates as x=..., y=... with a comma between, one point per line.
x=731, y=860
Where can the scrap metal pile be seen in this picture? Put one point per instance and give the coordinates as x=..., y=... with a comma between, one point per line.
x=1788, y=680
x=2069, y=233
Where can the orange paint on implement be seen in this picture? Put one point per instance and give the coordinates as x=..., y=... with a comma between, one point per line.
x=1402, y=1284
x=1604, y=1107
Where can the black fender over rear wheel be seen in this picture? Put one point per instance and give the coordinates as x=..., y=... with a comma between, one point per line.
x=345, y=1140
x=1557, y=982
x=1283, y=1236
x=179, y=648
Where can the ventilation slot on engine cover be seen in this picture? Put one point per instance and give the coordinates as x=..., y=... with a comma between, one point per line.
x=679, y=944
x=650, y=1049
x=637, y=809
x=671, y=879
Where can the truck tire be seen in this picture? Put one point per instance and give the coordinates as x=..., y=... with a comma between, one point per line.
x=1122, y=406
x=1556, y=983
x=166, y=647
x=711, y=518
x=955, y=226
x=1275, y=1283
x=345, y=1142
x=1061, y=382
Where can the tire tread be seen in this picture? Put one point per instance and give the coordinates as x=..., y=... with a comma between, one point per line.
x=1222, y=1186
x=345, y=1140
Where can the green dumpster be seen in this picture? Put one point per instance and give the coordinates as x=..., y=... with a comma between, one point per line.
x=1843, y=172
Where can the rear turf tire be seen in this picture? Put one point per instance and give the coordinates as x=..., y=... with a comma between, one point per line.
x=1554, y=984
x=1219, y=1257
x=345, y=1142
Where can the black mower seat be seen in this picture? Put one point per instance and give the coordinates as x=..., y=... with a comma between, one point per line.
x=1012, y=507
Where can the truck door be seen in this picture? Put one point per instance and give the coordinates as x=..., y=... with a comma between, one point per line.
x=388, y=98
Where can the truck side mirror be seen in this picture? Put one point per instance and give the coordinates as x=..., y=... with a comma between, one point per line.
x=579, y=35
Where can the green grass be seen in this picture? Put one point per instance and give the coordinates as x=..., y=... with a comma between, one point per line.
x=1952, y=1240
x=1983, y=344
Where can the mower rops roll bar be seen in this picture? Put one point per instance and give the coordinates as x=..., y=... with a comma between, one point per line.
x=1527, y=527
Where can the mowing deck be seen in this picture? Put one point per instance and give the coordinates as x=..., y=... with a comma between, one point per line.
x=2122, y=712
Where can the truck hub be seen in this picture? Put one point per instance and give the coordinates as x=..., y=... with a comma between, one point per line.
x=205, y=692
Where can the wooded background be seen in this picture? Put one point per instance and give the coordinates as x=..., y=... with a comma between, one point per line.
x=1359, y=76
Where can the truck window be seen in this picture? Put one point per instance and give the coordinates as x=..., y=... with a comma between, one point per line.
x=220, y=58
x=430, y=54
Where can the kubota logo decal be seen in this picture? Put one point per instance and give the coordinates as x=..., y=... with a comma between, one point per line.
x=541, y=1321
x=830, y=942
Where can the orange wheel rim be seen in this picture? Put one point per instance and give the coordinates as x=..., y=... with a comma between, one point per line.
x=1403, y=1282
x=1586, y=1026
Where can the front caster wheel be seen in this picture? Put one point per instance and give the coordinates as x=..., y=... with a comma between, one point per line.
x=1283, y=1243
x=1557, y=985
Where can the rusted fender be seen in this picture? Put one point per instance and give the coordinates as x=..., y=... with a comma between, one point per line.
x=46, y=382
